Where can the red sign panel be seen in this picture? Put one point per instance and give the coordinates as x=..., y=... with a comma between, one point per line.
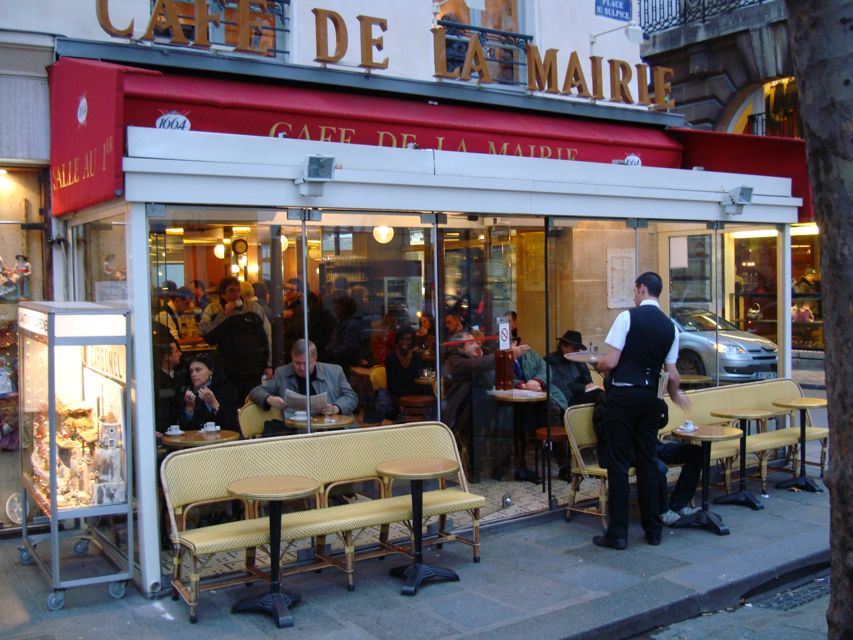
x=92, y=102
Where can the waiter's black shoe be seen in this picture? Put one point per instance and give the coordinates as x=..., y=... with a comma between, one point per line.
x=619, y=544
x=653, y=538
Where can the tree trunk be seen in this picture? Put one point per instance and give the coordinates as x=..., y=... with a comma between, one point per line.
x=822, y=47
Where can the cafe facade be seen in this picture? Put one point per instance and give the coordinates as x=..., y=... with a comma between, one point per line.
x=421, y=196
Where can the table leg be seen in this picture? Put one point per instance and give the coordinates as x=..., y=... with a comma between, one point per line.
x=802, y=482
x=743, y=497
x=522, y=473
x=705, y=518
x=418, y=572
x=276, y=602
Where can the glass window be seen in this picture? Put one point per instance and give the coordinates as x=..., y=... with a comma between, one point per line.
x=497, y=26
x=267, y=34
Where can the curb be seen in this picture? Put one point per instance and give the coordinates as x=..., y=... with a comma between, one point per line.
x=724, y=597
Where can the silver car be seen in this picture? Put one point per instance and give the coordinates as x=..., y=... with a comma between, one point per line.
x=743, y=356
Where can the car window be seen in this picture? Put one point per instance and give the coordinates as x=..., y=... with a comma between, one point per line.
x=701, y=320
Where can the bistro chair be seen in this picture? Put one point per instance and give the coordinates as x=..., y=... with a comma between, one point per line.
x=252, y=417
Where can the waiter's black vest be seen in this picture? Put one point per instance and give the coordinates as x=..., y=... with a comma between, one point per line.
x=649, y=339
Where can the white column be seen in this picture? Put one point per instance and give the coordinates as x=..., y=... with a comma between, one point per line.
x=783, y=315
x=142, y=372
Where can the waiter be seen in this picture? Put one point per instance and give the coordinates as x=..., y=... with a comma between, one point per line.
x=642, y=340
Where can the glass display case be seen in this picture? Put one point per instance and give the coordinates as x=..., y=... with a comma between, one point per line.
x=75, y=438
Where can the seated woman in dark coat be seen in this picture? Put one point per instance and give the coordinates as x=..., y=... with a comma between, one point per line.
x=207, y=397
x=402, y=366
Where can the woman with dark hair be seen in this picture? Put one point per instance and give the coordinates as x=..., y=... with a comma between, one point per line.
x=207, y=397
x=425, y=335
x=403, y=365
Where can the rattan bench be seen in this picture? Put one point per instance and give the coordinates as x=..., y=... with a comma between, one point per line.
x=196, y=477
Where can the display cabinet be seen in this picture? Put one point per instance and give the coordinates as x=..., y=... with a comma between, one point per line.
x=76, y=443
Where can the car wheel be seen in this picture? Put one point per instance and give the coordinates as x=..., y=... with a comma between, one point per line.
x=690, y=363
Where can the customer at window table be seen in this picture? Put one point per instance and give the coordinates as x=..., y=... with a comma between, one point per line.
x=571, y=381
x=173, y=307
x=167, y=377
x=402, y=366
x=425, y=335
x=207, y=397
x=303, y=370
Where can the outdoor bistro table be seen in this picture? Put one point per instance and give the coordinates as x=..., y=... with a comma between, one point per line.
x=694, y=380
x=319, y=423
x=706, y=434
x=274, y=489
x=803, y=404
x=198, y=438
x=416, y=470
x=521, y=396
x=743, y=497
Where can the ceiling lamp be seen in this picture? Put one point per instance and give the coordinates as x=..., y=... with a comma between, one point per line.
x=219, y=251
x=383, y=234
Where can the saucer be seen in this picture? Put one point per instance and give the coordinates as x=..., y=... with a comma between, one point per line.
x=176, y=432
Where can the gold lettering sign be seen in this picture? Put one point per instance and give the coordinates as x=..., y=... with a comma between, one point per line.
x=108, y=360
x=102, y=9
x=322, y=19
x=369, y=43
x=83, y=166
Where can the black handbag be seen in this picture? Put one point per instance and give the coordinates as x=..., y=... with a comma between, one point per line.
x=274, y=428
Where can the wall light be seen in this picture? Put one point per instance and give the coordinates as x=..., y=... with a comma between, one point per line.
x=383, y=234
x=804, y=230
x=243, y=260
x=759, y=233
x=175, y=231
x=253, y=268
x=235, y=268
x=285, y=243
x=316, y=169
x=219, y=251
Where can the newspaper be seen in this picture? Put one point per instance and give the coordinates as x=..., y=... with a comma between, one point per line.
x=297, y=402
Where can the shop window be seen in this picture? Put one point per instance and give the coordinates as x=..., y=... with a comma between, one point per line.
x=268, y=34
x=498, y=26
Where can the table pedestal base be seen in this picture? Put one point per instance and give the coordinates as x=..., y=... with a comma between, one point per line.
x=275, y=604
x=742, y=499
x=804, y=483
x=417, y=573
x=704, y=520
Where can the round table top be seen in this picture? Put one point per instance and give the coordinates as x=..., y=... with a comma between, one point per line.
x=273, y=487
x=801, y=403
x=193, y=438
x=417, y=468
x=709, y=432
x=428, y=380
x=518, y=395
x=589, y=357
x=745, y=414
x=692, y=378
x=319, y=423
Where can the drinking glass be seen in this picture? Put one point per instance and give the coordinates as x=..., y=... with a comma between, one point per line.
x=329, y=412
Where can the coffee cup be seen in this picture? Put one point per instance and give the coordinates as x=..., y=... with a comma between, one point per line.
x=210, y=426
x=173, y=429
x=300, y=415
x=688, y=426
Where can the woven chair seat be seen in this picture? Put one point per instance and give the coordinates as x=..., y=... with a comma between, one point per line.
x=229, y=536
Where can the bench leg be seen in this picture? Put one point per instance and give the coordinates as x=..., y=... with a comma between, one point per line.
x=475, y=533
x=349, y=551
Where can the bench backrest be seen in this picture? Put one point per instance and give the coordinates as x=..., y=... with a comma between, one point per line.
x=197, y=475
x=751, y=395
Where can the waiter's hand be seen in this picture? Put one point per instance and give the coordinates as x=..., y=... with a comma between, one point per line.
x=680, y=398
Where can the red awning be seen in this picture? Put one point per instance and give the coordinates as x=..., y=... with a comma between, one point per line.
x=119, y=96
x=758, y=155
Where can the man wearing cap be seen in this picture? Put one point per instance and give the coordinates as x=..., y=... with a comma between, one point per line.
x=571, y=381
x=173, y=308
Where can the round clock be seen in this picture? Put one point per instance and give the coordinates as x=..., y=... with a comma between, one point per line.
x=239, y=245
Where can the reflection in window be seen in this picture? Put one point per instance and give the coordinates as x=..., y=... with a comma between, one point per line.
x=270, y=24
x=498, y=28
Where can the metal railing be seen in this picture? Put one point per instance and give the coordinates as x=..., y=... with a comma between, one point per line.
x=661, y=15
x=784, y=123
x=505, y=50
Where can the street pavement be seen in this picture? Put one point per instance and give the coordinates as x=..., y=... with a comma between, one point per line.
x=539, y=578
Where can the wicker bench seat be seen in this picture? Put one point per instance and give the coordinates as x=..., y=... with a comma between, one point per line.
x=200, y=477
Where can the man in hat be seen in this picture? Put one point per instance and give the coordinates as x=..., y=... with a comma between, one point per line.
x=571, y=382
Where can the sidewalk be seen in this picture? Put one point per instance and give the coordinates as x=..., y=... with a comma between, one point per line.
x=538, y=579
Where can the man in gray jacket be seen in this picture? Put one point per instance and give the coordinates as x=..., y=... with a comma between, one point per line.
x=304, y=368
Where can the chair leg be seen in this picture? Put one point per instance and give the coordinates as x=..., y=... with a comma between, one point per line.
x=349, y=550
x=475, y=533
